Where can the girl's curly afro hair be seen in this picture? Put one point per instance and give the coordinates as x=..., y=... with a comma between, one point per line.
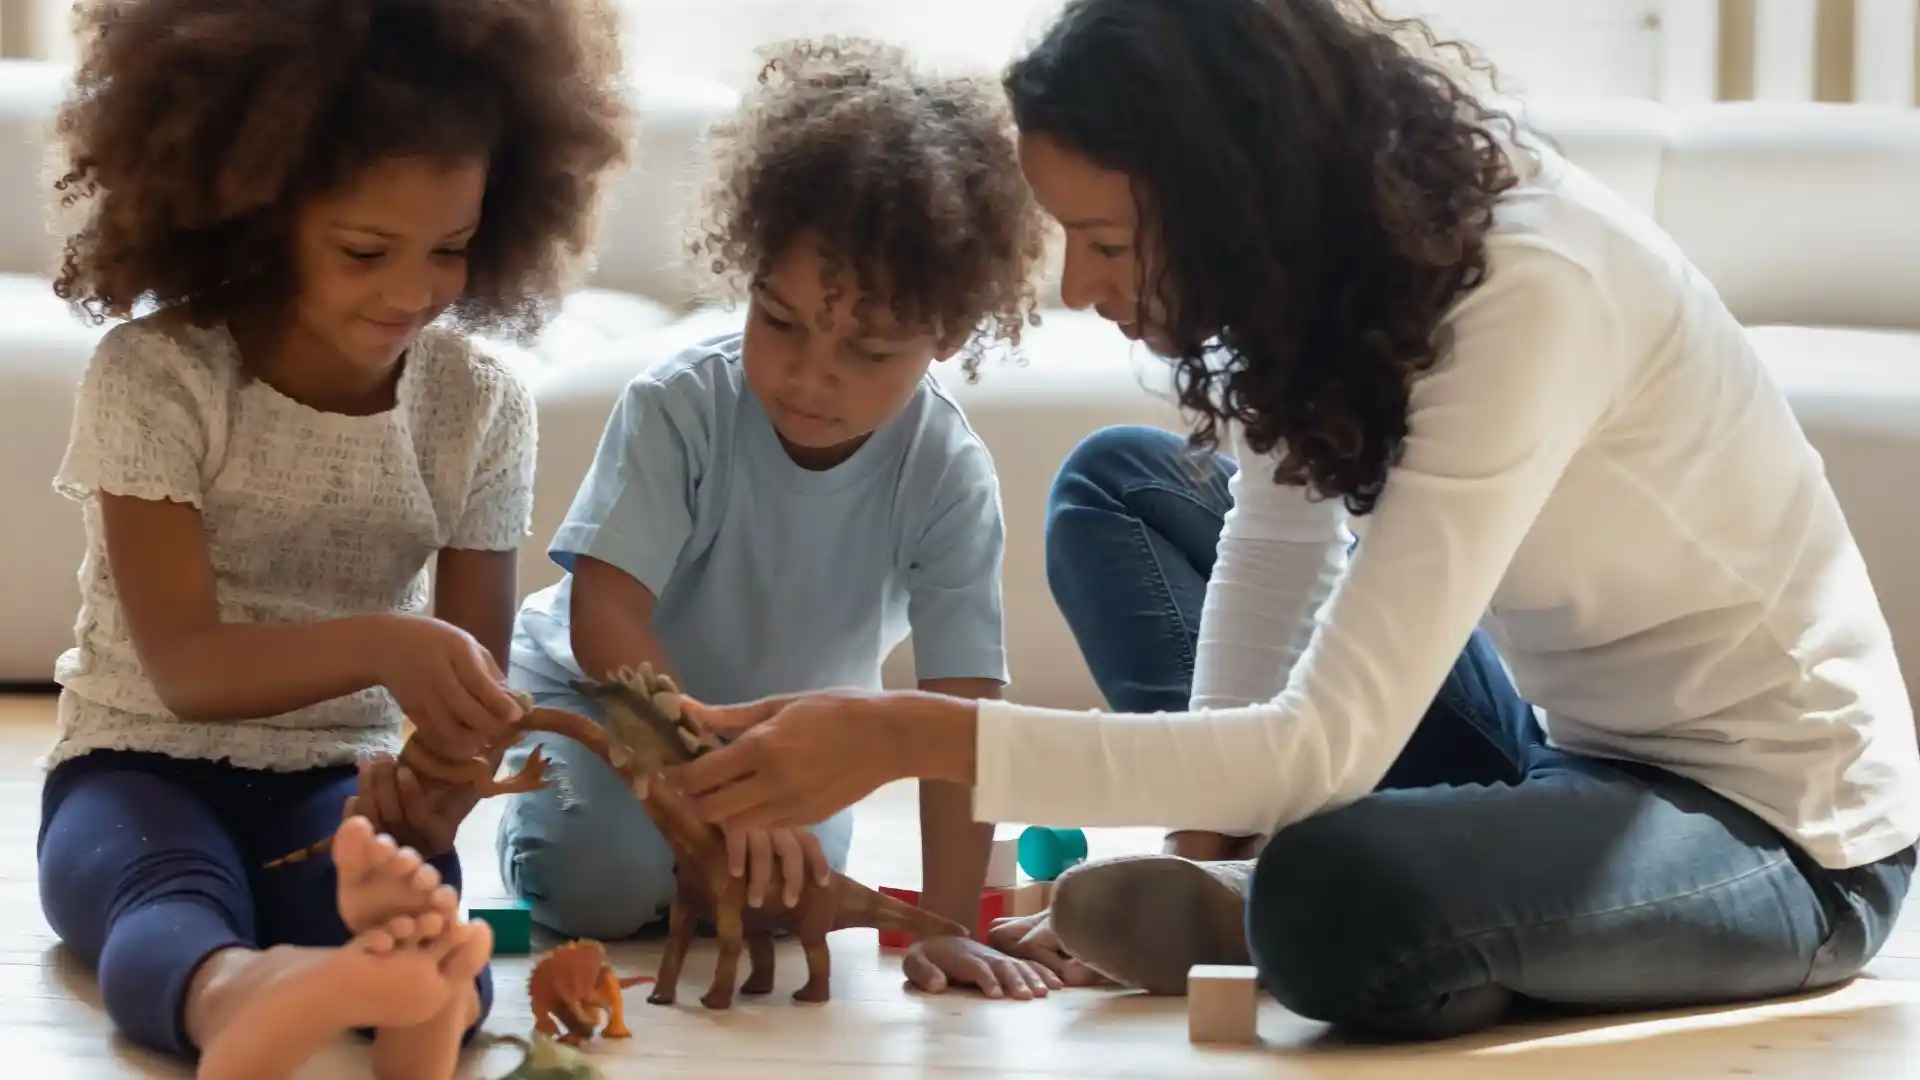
x=909, y=181
x=1321, y=193
x=196, y=127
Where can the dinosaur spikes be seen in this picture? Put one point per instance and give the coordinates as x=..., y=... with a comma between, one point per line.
x=690, y=740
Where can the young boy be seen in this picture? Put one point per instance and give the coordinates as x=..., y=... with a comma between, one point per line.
x=775, y=510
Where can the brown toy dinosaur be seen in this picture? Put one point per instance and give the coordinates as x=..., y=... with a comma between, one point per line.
x=646, y=732
x=574, y=985
x=435, y=769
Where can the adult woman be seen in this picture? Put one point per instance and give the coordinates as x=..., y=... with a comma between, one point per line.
x=1540, y=420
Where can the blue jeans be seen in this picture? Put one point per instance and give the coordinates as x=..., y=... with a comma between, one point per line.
x=582, y=851
x=1488, y=869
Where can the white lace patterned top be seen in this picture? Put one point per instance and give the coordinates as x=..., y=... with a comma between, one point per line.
x=309, y=515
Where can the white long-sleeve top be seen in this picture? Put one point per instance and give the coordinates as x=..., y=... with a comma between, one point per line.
x=1601, y=473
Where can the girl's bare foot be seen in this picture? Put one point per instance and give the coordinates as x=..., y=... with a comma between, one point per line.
x=262, y=1015
x=430, y=1050
x=379, y=879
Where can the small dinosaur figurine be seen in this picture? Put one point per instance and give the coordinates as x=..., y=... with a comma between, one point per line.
x=646, y=732
x=548, y=1059
x=574, y=985
x=435, y=769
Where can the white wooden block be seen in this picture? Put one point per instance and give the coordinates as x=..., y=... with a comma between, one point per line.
x=1223, y=1004
x=1003, y=866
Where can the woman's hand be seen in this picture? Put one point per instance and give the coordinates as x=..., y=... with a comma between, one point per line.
x=1031, y=937
x=932, y=964
x=757, y=853
x=800, y=759
x=447, y=684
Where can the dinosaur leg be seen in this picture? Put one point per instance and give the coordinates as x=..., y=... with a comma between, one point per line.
x=674, y=956
x=543, y=1021
x=812, y=932
x=531, y=777
x=579, y=1019
x=616, y=1008
x=759, y=963
x=729, y=929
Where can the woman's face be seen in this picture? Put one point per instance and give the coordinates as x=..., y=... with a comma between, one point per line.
x=1106, y=262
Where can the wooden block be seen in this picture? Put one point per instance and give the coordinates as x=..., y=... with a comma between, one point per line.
x=1029, y=898
x=1223, y=1004
x=1003, y=865
x=994, y=904
x=895, y=939
x=512, y=925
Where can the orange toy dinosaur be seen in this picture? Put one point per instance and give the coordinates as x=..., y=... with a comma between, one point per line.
x=646, y=732
x=575, y=986
x=435, y=769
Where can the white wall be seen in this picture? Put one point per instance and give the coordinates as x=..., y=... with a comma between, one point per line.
x=1549, y=48
x=1546, y=47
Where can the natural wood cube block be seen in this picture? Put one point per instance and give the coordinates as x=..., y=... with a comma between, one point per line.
x=1223, y=1004
x=1003, y=865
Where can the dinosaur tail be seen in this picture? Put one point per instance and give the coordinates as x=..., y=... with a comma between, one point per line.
x=574, y=726
x=635, y=981
x=311, y=851
x=863, y=906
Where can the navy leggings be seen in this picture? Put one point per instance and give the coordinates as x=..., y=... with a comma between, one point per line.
x=150, y=864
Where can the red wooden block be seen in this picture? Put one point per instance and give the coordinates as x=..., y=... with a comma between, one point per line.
x=895, y=939
x=993, y=905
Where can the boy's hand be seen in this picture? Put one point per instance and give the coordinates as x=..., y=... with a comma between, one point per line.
x=392, y=797
x=1031, y=937
x=933, y=963
x=756, y=852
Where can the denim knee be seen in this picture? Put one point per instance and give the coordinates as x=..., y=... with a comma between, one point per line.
x=1103, y=465
x=587, y=879
x=1333, y=931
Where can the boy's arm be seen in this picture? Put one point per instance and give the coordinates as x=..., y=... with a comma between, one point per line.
x=955, y=611
x=954, y=848
x=611, y=620
x=629, y=522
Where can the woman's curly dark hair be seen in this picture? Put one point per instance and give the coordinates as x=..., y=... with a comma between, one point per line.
x=197, y=127
x=1319, y=194
x=910, y=179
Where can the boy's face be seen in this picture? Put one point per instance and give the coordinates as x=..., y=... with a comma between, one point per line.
x=384, y=256
x=827, y=390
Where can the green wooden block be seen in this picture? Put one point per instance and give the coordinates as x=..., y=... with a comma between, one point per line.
x=512, y=925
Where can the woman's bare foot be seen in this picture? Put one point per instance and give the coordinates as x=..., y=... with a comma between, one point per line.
x=262, y=1015
x=430, y=1050
x=379, y=879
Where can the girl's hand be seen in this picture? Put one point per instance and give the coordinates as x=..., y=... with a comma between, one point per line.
x=932, y=964
x=392, y=797
x=447, y=684
x=1031, y=937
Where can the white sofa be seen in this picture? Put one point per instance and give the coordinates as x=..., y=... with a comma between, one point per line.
x=1801, y=214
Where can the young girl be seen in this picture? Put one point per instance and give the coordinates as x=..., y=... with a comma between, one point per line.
x=268, y=457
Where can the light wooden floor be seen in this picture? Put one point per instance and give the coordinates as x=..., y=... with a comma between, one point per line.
x=51, y=1023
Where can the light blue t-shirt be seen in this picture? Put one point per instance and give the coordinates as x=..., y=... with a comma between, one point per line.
x=770, y=578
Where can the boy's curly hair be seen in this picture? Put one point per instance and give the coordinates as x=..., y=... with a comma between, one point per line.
x=196, y=128
x=912, y=180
